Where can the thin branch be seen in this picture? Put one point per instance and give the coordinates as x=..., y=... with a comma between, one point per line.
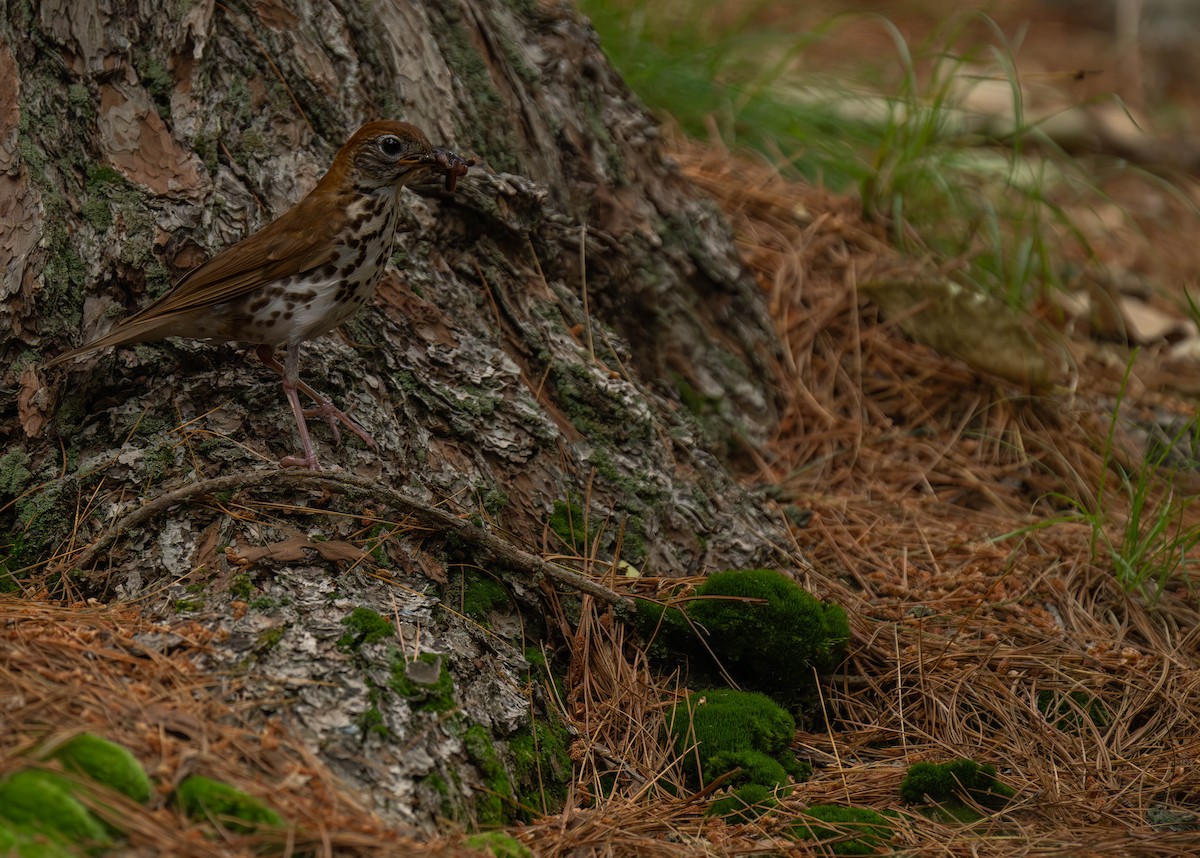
x=438, y=519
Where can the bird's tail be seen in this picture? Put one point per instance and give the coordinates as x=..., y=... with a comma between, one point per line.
x=133, y=330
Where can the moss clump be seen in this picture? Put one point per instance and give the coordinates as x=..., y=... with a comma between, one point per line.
x=108, y=194
x=567, y=522
x=370, y=721
x=540, y=669
x=157, y=80
x=205, y=145
x=745, y=804
x=107, y=764
x=442, y=788
x=852, y=830
x=541, y=766
x=665, y=627
x=17, y=842
x=501, y=845
x=497, y=793
x=268, y=639
x=480, y=595
x=205, y=798
x=14, y=473
x=482, y=127
x=80, y=100
x=753, y=767
x=771, y=643
x=535, y=657
x=433, y=694
x=37, y=800
x=1071, y=711
x=699, y=404
x=253, y=145
x=241, y=587
x=364, y=626
x=8, y=582
x=1167, y=818
x=708, y=412
x=40, y=524
x=494, y=501
x=719, y=730
x=948, y=783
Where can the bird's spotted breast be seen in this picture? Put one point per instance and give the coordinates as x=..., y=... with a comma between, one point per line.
x=305, y=305
x=346, y=283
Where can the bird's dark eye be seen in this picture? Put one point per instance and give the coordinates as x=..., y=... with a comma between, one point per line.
x=391, y=145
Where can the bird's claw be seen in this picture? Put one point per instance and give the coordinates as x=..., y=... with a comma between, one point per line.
x=300, y=462
x=333, y=416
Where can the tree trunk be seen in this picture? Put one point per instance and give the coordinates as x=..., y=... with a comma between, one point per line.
x=571, y=332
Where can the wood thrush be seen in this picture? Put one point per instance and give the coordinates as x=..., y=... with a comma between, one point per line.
x=303, y=274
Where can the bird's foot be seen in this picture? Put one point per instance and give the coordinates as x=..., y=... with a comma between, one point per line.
x=293, y=387
x=333, y=416
x=309, y=462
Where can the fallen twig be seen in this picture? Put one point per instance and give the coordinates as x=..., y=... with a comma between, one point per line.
x=446, y=522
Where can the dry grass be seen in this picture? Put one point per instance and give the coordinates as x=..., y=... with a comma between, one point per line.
x=912, y=466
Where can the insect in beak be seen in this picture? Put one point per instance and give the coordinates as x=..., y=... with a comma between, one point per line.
x=450, y=164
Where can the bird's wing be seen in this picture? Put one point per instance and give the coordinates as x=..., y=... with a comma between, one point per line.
x=300, y=240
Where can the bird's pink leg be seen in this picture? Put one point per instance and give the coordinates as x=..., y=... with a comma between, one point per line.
x=310, y=457
x=290, y=373
x=291, y=377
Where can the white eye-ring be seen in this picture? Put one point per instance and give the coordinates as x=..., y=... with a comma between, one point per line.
x=391, y=145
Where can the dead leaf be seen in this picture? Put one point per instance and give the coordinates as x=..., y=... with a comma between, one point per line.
x=337, y=549
x=431, y=568
x=206, y=550
x=1147, y=324
x=294, y=547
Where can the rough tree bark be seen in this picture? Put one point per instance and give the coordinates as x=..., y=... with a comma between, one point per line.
x=572, y=327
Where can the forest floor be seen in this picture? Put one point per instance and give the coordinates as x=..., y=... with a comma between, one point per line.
x=1019, y=560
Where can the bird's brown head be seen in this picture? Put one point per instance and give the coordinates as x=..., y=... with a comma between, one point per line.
x=391, y=153
x=384, y=153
